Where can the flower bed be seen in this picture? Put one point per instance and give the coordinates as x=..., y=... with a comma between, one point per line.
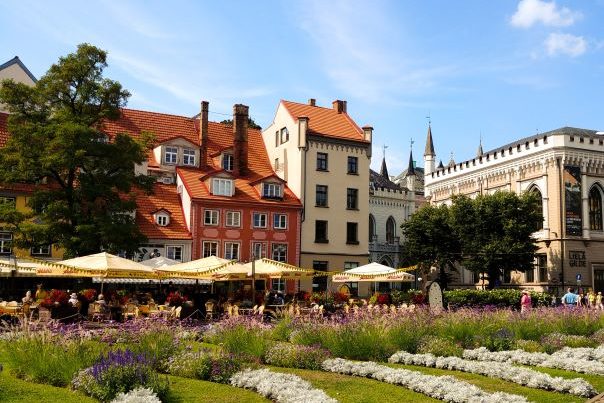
x=445, y=388
x=282, y=388
x=138, y=395
x=501, y=370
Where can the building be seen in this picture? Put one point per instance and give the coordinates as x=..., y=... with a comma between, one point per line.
x=565, y=167
x=15, y=70
x=324, y=157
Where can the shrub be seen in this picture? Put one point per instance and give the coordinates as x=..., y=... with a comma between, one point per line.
x=555, y=341
x=499, y=297
x=119, y=372
x=598, y=336
x=241, y=335
x=282, y=329
x=530, y=346
x=292, y=356
x=155, y=345
x=500, y=340
x=439, y=346
x=206, y=365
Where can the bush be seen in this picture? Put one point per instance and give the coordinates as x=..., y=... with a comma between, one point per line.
x=555, y=341
x=119, y=372
x=206, y=365
x=241, y=335
x=598, y=336
x=282, y=329
x=439, y=346
x=292, y=356
x=530, y=346
x=500, y=340
x=156, y=345
x=499, y=297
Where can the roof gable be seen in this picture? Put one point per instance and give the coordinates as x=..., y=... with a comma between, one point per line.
x=18, y=62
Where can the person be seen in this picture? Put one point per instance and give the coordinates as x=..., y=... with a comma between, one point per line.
x=41, y=293
x=579, y=300
x=102, y=303
x=27, y=299
x=525, y=301
x=553, y=301
x=599, y=301
x=591, y=299
x=570, y=298
x=279, y=299
x=73, y=299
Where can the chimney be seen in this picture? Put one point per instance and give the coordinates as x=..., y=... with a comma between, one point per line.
x=203, y=134
x=240, y=144
x=312, y=102
x=368, y=136
x=339, y=106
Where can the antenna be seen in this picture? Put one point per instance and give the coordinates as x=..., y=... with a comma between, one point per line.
x=429, y=118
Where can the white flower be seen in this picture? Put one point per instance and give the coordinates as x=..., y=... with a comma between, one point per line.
x=501, y=370
x=282, y=388
x=445, y=388
x=561, y=361
x=138, y=395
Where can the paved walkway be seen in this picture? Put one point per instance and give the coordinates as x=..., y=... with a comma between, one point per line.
x=597, y=399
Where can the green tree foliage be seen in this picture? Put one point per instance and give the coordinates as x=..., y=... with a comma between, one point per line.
x=489, y=234
x=250, y=122
x=83, y=181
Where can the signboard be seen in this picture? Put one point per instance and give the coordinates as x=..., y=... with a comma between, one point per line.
x=578, y=276
x=576, y=258
x=572, y=199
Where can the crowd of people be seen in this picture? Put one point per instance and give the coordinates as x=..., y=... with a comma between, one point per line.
x=589, y=300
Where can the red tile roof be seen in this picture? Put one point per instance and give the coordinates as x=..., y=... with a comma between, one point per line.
x=164, y=197
x=326, y=121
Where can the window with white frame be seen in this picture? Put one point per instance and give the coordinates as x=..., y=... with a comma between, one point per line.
x=188, y=156
x=271, y=190
x=279, y=252
x=278, y=284
x=222, y=187
x=162, y=219
x=209, y=248
x=227, y=162
x=42, y=250
x=233, y=218
x=259, y=220
x=280, y=221
x=174, y=252
x=7, y=200
x=231, y=250
x=171, y=156
x=258, y=250
x=210, y=217
x=5, y=241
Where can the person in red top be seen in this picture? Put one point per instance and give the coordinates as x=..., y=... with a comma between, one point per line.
x=525, y=301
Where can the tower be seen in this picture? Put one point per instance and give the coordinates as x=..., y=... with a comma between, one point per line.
x=429, y=154
x=410, y=177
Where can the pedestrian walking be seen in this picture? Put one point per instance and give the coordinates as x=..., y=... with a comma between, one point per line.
x=525, y=302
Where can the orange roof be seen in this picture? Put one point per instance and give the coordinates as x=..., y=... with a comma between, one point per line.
x=164, y=197
x=326, y=121
x=3, y=129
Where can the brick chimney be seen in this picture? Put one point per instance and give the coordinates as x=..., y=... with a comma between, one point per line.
x=240, y=144
x=312, y=102
x=339, y=106
x=203, y=134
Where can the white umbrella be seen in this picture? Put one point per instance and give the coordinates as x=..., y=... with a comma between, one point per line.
x=158, y=262
x=373, y=272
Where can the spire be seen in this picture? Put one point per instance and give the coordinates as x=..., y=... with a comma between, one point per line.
x=480, y=152
x=384, y=169
x=440, y=165
x=410, y=168
x=429, y=143
x=451, y=161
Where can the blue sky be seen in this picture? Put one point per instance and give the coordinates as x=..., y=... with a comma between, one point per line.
x=500, y=69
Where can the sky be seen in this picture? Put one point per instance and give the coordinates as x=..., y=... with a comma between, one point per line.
x=493, y=70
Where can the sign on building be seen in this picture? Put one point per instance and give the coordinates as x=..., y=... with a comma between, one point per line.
x=572, y=199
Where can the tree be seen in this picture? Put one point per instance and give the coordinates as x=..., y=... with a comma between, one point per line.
x=83, y=181
x=250, y=122
x=431, y=242
x=495, y=232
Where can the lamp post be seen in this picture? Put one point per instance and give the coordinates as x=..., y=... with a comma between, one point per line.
x=254, y=277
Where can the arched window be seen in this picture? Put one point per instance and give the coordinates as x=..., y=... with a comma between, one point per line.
x=595, y=209
x=371, y=227
x=537, y=192
x=390, y=230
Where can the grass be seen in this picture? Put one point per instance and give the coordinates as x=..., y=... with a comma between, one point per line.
x=191, y=390
x=597, y=381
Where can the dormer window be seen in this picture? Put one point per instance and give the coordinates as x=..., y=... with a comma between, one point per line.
x=162, y=219
x=188, y=157
x=272, y=191
x=222, y=187
x=227, y=162
x=171, y=156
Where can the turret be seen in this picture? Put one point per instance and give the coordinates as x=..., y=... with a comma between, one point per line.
x=429, y=154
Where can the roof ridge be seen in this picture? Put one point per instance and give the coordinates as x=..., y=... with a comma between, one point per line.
x=159, y=113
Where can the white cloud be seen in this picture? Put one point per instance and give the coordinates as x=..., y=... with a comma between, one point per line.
x=531, y=12
x=565, y=44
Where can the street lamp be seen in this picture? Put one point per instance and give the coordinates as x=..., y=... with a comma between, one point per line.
x=254, y=277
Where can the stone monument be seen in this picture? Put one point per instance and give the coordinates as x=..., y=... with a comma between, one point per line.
x=435, y=298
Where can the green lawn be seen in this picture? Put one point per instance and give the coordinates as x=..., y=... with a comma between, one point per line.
x=16, y=390
x=184, y=390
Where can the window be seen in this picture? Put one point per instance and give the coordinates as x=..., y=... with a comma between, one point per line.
x=319, y=283
x=353, y=165
x=231, y=250
x=351, y=233
x=278, y=284
x=233, y=219
x=210, y=217
x=171, y=155
x=284, y=135
x=7, y=200
x=209, y=248
x=279, y=252
x=277, y=138
x=271, y=190
x=174, y=253
x=259, y=220
x=162, y=219
x=280, y=221
x=227, y=162
x=276, y=164
x=530, y=275
x=5, y=241
x=371, y=227
x=390, y=230
x=321, y=161
x=353, y=286
x=352, y=196
x=537, y=192
x=222, y=187
x=43, y=250
x=321, y=231
x=188, y=156
x=321, y=196
x=595, y=209
x=541, y=266
x=258, y=250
